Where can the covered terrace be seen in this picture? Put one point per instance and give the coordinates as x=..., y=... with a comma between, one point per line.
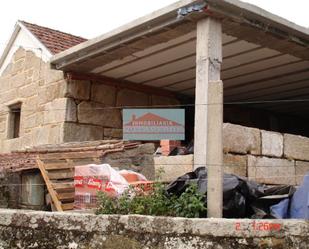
x=205, y=51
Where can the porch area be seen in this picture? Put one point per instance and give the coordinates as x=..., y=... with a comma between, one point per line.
x=222, y=60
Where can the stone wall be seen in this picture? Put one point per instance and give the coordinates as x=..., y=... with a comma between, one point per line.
x=30, y=81
x=96, y=109
x=262, y=156
x=56, y=110
x=10, y=190
x=266, y=120
x=84, y=231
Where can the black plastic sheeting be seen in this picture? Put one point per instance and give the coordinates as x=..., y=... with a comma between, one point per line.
x=241, y=198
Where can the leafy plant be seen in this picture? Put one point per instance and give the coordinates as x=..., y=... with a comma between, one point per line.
x=189, y=204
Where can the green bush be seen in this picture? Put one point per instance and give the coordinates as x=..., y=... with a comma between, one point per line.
x=189, y=204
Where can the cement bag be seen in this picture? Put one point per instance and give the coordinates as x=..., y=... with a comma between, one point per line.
x=89, y=179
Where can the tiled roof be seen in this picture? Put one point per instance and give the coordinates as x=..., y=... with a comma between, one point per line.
x=55, y=41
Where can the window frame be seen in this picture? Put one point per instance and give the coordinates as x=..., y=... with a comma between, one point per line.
x=14, y=120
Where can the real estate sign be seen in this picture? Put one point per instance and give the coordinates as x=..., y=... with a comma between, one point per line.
x=153, y=124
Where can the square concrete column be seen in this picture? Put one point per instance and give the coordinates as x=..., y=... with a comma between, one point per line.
x=208, y=148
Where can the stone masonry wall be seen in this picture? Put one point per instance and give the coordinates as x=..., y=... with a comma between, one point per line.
x=56, y=110
x=29, y=80
x=27, y=229
x=266, y=120
x=96, y=109
x=262, y=156
x=10, y=190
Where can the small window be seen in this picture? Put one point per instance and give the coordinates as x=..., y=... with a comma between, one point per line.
x=14, y=121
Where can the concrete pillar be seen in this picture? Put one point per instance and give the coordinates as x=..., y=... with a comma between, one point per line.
x=208, y=148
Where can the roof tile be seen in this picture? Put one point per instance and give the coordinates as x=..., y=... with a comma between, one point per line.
x=55, y=41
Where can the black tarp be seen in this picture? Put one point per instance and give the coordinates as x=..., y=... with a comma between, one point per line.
x=241, y=198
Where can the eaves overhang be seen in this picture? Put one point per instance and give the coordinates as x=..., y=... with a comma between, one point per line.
x=233, y=13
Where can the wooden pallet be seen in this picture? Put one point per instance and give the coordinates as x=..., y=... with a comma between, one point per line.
x=57, y=170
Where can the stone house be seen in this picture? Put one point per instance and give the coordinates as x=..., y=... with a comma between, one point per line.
x=40, y=105
x=58, y=88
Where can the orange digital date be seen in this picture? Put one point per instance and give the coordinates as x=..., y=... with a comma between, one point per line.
x=260, y=226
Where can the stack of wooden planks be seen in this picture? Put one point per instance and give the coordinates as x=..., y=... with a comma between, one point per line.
x=57, y=168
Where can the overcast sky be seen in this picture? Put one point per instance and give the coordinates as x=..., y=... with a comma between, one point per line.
x=95, y=17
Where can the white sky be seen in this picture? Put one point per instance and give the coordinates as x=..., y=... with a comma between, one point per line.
x=94, y=17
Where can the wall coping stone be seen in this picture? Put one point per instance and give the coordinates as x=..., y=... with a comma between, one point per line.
x=33, y=229
x=149, y=224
